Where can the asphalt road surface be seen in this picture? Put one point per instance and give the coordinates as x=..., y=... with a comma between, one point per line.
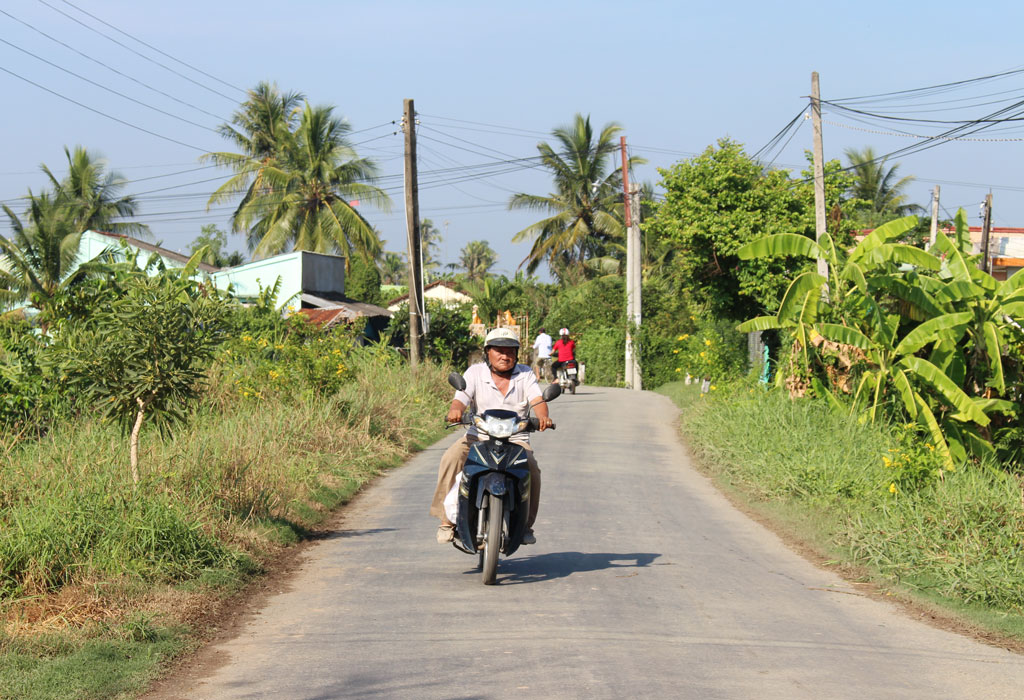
x=644, y=583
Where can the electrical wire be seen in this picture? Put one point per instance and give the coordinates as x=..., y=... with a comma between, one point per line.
x=137, y=53
x=111, y=68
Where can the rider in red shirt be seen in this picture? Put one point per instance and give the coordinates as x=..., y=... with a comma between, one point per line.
x=564, y=350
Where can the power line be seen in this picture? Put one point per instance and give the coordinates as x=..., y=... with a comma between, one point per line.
x=137, y=53
x=102, y=114
x=111, y=68
x=104, y=87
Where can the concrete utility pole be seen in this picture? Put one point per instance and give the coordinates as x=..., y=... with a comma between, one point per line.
x=986, y=231
x=935, y=217
x=636, y=280
x=630, y=368
x=412, y=222
x=819, y=173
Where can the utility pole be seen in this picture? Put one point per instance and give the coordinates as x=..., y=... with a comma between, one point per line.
x=819, y=174
x=986, y=230
x=630, y=368
x=412, y=222
x=935, y=217
x=636, y=279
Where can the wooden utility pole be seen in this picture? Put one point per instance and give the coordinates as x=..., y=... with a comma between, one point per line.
x=412, y=222
x=630, y=368
x=636, y=281
x=935, y=217
x=819, y=173
x=986, y=231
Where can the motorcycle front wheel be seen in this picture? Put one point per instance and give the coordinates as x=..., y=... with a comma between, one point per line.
x=492, y=541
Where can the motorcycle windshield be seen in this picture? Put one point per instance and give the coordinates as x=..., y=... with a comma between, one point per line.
x=499, y=423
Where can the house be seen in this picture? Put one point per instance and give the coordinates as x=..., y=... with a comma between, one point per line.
x=1005, y=248
x=443, y=291
x=95, y=242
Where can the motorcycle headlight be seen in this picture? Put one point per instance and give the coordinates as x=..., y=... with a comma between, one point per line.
x=497, y=427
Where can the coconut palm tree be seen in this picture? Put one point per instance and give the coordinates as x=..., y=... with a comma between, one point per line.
x=90, y=195
x=879, y=188
x=477, y=258
x=392, y=269
x=585, y=210
x=41, y=258
x=430, y=244
x=304, y=191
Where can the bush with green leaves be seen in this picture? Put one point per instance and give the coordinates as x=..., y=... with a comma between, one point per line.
x=449, y=341
x=714, y=350
x=144, y=357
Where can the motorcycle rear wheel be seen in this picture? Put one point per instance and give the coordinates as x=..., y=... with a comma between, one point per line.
x=492, y=541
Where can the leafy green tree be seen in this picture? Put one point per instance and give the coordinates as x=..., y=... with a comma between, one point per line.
x=145, y=356
x=879, y=192
x=300, y=184
x=585, y=211
x=477, y=258
x=91, y=196
x=717, y=202
x=362, y=283
x=215, y=242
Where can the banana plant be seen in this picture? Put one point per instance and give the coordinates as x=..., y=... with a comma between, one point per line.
x=893, y=369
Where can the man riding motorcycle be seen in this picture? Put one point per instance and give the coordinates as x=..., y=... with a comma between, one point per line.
x=564, y=351
x=499, y=382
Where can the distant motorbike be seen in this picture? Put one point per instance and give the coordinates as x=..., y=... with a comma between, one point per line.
x=494, y=490
x=568, y=376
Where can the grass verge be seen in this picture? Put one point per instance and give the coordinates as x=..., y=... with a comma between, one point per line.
x=870, y=497
x=103, y=583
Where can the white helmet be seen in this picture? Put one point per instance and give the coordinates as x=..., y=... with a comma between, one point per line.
x=563, y=331
x=502, y=338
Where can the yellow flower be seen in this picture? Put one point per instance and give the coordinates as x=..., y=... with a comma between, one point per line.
x=693, y=318
x=273, y=374
x=892, y=487
x=886, y=461
x=675, y=352
x=713, y=387
x=278, y=346
x=702, y=354
x=247, y=338
x=678, y=370
x=684, y=336
x=707, y=342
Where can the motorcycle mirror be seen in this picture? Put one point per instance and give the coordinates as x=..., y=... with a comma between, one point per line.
x=457, y=381
x=552, y=392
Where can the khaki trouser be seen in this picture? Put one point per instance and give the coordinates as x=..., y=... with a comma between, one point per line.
x=451, y=464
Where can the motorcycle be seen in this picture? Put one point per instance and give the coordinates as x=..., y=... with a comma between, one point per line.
x=494, y=489
x=568, y=376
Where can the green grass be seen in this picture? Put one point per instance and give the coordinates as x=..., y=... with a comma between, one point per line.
x=95, y=571
x=873, y=496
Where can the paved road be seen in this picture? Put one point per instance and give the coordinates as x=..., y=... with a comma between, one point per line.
x=645, y=582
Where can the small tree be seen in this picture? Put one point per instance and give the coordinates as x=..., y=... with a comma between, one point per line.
x=145, y=356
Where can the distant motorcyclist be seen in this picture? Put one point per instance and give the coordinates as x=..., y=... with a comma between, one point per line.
x=499, y=382
x=564, y=350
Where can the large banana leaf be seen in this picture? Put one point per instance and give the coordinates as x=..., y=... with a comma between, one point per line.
x=796, y=295
x=926, y=416
x=955, y=262
x=959, y=290
x=933, y=330
x=900, y=253
x=993, y=349
x=780, y=244
x=883, y=234
x=912, y=294
x=949, y=391
x=906, y=391
x=846, y=335
x=761, y=323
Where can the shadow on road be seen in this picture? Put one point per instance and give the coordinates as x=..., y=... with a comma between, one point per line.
x=544, y=567
x=338, y=534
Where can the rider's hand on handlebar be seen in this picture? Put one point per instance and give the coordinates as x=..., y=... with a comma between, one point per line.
x=545, y=423
x=454, y=416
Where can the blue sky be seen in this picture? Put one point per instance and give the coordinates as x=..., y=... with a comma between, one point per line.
x=492, y=79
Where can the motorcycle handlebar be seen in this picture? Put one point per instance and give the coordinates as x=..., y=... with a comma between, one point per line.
x=532, y=425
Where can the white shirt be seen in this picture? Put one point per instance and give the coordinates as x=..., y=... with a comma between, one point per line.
x=482, y=393
x=543, y=346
